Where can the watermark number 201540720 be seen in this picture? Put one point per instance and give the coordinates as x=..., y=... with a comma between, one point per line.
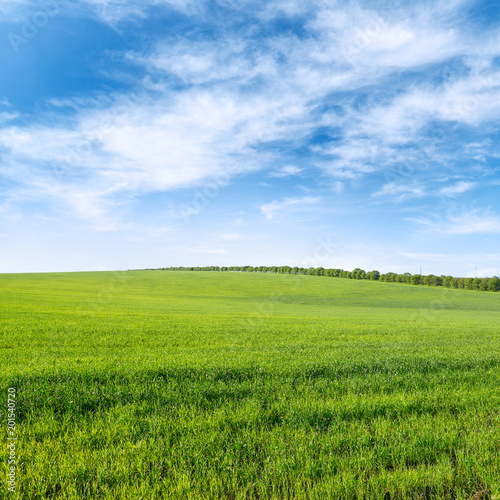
x=11, y=439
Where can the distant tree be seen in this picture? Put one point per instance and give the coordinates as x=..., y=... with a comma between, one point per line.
x=319, y=271
x=430, y=280
x=469, y=284
x=494, y=284
x=407, y=277
x=358, y=274
x=416, y=279
x=483, y=286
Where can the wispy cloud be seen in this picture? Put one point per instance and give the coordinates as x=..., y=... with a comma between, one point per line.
x=6, y=117
x=241, y=94
x=270, y=210
x=110, y=11
x=459, y=188
x=472, y=222
x=399, y=192
x=10, y=9
x=286, y=171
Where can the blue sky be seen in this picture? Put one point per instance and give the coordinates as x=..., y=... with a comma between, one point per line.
x=158, y=133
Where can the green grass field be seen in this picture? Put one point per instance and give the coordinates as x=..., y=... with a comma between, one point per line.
x=249, y=386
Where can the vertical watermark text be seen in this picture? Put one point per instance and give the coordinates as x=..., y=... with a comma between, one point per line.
x=11, y=439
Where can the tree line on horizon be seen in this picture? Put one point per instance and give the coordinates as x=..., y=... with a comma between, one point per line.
x=482, y=284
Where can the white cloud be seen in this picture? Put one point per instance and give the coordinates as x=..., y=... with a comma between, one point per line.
x=242, y=95
x=10, y=9
x=473, y=99
x=114, y=11
x=338, y=187
x=109, y=11
x=459, y=188
x=5, y=117
x=398, y=192
x=270, y=210
x=382, y=40
x=134, y=147
x=286, y=171
x=472, y=222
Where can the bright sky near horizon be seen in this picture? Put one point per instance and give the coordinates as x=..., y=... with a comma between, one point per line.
x=152, y=133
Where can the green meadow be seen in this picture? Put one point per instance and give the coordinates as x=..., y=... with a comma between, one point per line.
x=206, y=385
